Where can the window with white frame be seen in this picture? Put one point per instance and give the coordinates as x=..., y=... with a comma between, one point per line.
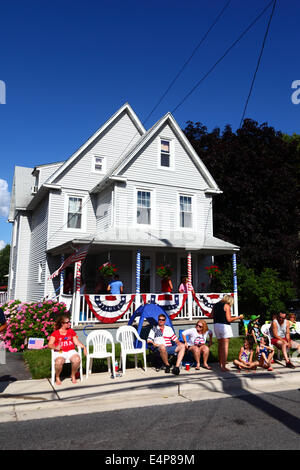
x=143, y=207
x=185, y=211
x=165, y=154
x=99, y=164
x=74, y=217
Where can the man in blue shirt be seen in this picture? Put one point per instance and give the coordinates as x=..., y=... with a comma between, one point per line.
x=115, y=286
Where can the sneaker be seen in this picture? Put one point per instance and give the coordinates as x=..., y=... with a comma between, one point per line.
x=175, y=370
x=290, y=365
x=167, y=369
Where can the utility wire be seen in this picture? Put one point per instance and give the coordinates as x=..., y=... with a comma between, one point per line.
x=188, y=60
x=222, y=57
x=258, y=62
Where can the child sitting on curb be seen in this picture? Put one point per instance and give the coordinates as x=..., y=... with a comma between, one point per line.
x=245, y=360
x=264, y=354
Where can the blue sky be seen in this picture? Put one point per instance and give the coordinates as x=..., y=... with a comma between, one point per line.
x=68, y=65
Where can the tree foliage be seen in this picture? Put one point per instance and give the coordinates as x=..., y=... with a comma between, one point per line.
x=4, y=265
x=258, y=171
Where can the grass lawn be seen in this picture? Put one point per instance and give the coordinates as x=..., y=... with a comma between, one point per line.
x=38, y=361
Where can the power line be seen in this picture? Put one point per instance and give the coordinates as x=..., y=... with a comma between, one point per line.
x=188, y=60
x=258, y=62
x=222, y=57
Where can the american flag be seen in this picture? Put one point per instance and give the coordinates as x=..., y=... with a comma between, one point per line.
x=35, y=343
x=79, y=255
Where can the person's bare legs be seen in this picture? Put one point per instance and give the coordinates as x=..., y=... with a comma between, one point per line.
x=59, y=362
x=205, y=353
x=196, y=353
x=75, y=362
x=164, y=355
x=180, y=353
x=223, y=345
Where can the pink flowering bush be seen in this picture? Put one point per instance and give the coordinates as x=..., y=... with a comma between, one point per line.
x=29, y=320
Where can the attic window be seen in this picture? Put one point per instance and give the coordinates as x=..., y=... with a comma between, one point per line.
x=98, y=164
x=165, y=153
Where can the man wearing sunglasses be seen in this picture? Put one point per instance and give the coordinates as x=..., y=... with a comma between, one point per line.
x=161, y=338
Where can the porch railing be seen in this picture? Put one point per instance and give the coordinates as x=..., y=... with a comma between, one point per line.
x=3, y=297
x=84, y=315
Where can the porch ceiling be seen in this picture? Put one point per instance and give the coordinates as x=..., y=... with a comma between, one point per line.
x=149, y=240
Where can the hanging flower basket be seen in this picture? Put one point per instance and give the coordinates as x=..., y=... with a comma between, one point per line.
x=213, y=271
x=108, y=270
x=164, y=271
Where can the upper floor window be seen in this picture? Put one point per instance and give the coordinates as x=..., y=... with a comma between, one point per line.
x=143, y=213
x=98, y=164
x=185, y=214
x=166, y=154
x=74, y=219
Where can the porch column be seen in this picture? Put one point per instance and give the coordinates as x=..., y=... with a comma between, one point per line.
x=235, y=290
x=76, y=293
x=190, y=297
x=138, y=278
x=62, y=276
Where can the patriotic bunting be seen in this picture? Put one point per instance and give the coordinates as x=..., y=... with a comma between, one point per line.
x=109, y=308
x=171, y=303
x=207, y=301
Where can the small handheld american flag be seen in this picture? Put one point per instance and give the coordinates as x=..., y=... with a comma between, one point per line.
x=35, y=343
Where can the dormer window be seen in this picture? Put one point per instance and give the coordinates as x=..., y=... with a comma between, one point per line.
x=98, y=164
x=165, y=154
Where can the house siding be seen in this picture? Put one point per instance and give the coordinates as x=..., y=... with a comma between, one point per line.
x=114, y=143
x=144, y=167
x=38, y=245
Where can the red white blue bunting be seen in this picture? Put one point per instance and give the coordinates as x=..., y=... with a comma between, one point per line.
x=207, y=301
x=171, y=303
x=109, y=308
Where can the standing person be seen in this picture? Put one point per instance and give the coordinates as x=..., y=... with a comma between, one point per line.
x=245, y=360
x=166, y=285
x=223, y=331
x=116, y=286
x=63, y=340
x=196, y=342
x=160, y=338
x=184, y=286
x=280, y=337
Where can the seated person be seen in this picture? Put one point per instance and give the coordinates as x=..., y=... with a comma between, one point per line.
x=161, y=337
x=63, y=340
x=196, y=342
x=264, y=354
x=293, y=326
x=245, y=362
x=280, y=334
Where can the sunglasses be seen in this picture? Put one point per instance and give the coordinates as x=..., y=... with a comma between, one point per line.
x=161, y=319
x=199, y=326
x=66, y=322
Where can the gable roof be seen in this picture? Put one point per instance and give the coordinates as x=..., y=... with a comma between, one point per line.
x=127, y=158
x=125, y=108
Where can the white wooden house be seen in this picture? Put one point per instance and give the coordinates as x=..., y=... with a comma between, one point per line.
x=129, y=191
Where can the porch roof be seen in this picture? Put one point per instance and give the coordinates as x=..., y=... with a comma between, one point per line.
x=129, y=239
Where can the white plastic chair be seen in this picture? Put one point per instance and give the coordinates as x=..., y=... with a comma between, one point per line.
x=126, y=336
x=66, y=362
x=99, y=340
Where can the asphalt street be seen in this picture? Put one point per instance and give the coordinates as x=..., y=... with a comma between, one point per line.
x=247, y=422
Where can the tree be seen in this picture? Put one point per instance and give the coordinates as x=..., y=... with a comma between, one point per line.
x=258, y=172
x=4, y=265
x=263, y=294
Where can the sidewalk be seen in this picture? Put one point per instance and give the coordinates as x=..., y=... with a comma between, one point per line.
x=35, y=399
